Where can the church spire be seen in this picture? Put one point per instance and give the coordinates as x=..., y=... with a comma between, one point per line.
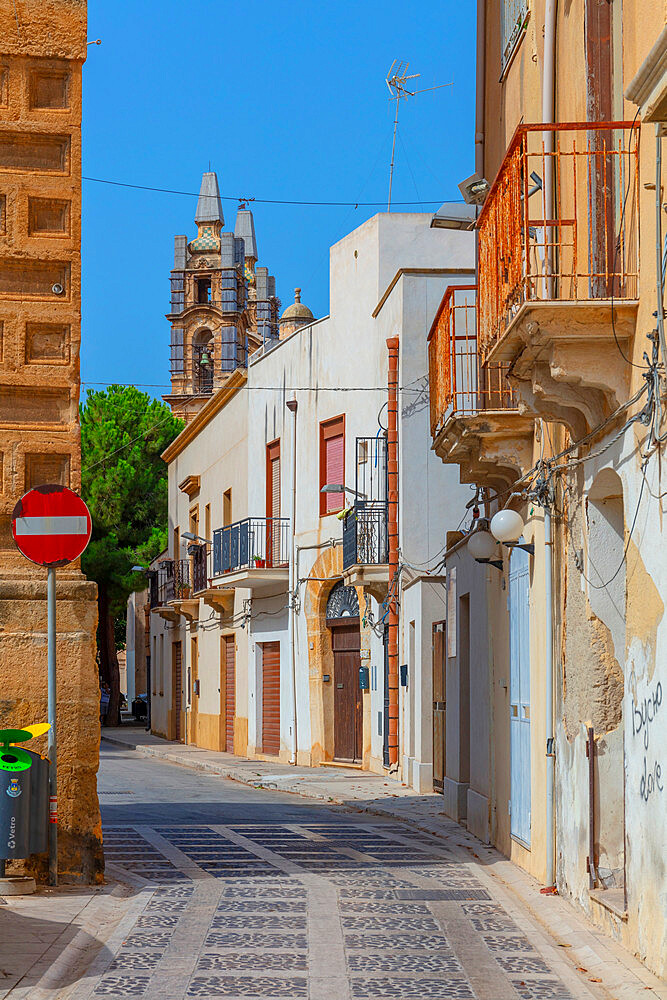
x=209, y=206
x=245, y=229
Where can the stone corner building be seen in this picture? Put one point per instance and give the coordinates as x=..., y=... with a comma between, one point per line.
x=42, y=51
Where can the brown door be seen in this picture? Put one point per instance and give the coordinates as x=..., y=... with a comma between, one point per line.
x=439, y=699
x=176, y=687
x=228, y=691
x=271, y=697
x=348, y=719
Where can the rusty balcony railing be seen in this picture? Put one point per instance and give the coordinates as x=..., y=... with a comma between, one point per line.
x=571, y=240
x=459, y=384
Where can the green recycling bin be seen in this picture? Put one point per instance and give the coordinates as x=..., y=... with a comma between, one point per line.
x=24, y=801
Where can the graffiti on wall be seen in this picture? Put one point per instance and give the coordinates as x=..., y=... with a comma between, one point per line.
x=643, y=715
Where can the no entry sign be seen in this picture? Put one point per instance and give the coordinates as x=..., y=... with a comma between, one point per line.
x=51, y=525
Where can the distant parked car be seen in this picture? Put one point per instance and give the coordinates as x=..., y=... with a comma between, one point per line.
x=140, y=706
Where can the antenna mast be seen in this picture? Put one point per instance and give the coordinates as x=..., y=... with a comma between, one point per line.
x=397, y=77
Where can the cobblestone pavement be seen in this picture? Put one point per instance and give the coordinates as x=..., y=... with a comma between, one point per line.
x=225, y=890
x=268, y=896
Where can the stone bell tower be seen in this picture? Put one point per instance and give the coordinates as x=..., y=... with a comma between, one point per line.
x=223, y=307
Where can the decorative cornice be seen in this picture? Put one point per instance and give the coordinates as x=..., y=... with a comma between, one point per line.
x=648, y=88
x=217, y=401
x=190, y=485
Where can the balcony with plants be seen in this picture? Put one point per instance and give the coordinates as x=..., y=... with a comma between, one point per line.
x=252, y=553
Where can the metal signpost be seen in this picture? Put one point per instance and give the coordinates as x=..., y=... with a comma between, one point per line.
x=51, y=526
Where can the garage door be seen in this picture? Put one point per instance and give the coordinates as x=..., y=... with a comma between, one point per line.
x=271, y=697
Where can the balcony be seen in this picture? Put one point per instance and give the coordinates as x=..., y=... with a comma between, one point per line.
x=220, y=599
x=171, y=592
x=475, y=419
x=559, y=268
x=365, y=537
x=253, y=554
x=366, y=547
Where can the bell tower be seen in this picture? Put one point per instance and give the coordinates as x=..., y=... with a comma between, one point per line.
x=223, y=307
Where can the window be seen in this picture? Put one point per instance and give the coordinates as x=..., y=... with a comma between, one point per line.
x=226, y=508
x=332, y=463
x=161, y=666
x=273, y=479
x=177, y=543
x=513, y=17
x=203, y=289
x=154, y=665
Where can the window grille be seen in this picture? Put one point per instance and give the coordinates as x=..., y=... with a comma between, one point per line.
x=513, y=16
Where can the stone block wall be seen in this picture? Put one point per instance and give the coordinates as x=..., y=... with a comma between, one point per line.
x=42, y=50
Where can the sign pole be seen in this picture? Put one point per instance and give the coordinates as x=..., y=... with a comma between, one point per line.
x=53, y=758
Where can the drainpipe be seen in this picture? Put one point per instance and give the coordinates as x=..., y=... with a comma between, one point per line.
x=658, y=245
x=292, y=407
x=480, y=94
x=549, y=116
x=549, y=705
x=392, y=532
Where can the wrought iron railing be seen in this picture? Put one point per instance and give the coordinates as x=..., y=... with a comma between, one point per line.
x=365, y=537
x=459, y=384
x=583, y=246
x=170, y=582
x=199, y=554
x=255, y=542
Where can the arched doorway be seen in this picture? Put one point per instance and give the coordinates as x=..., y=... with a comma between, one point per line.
x=342, y=618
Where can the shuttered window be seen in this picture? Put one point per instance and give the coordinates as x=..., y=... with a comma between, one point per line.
x=332, y=463
x=273, y=479
x=271, y=697
x=229, y=653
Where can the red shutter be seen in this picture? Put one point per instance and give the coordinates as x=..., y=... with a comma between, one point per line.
x=332, y=463
x=271, y=697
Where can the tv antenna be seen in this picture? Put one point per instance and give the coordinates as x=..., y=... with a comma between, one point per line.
x=397, y=77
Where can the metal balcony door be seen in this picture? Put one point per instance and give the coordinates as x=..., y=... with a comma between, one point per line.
x=271, y=697
x=520, y=769
x=439, y=713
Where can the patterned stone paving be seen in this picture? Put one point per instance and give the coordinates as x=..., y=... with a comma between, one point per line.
x=257, y=937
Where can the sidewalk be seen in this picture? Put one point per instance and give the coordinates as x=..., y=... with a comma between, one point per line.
x=611, y=970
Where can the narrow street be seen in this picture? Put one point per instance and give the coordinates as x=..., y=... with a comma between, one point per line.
x=254, y=893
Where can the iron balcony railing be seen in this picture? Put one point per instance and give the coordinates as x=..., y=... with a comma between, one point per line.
x=459, y=384
x=365, y=537
x=255, y=542
x=570, y=240
x=199, y=554
x=170, y=582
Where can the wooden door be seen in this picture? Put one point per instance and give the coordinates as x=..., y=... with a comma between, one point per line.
x=271, y=697
x=273, y=503
x=520, y=764
x=176, y=688
x=227, y=691
x=348, y=717
x=439, y=712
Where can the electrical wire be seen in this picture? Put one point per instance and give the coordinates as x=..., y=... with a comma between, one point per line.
x=261, y=201
x=617, y=246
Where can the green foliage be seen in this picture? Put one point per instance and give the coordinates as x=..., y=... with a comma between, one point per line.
x=124, y=482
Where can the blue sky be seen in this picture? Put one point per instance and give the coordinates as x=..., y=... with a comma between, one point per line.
x=286, y=101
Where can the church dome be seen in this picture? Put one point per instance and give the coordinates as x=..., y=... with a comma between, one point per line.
x=298, y=311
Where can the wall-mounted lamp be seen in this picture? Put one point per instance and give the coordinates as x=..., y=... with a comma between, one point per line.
x=482, y=545
x=195, y=538
x=339, y=488
x=507, y=527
